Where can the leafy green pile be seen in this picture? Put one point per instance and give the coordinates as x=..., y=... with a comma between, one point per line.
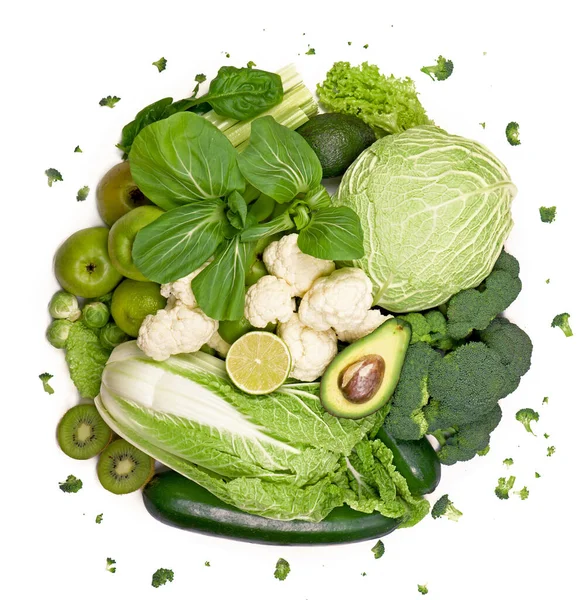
x=460, y=363
x=216, y=198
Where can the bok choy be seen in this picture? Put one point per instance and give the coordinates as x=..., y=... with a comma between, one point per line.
x=279, y=456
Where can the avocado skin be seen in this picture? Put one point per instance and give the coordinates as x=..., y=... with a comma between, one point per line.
x=337, y=140
x=390, y=341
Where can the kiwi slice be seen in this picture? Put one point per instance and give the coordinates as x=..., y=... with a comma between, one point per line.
x=122, y=468
x=82, y=433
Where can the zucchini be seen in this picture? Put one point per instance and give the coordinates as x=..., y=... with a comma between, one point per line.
x=415, y=460
x=178, y=501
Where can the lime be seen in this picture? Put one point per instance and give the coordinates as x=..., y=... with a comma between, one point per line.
x=258, y=362
x=134, y=300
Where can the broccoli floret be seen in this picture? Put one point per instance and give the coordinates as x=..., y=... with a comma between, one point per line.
x=53, y=175
x=504, y=486
x=441, y=71
x=98, y=519
x=512, y=133
x=82, y=193
x=513, y=345
x=78, y=149
x=109, y=563
x=71, y=485
x=523, y=494
x=405, y=420
x=465, y=385
x=378, y=549
x=109, y=101
x=162, y=576
x=160, y=64
x=45, y=378
x=546, y=436
x=282, y=569
x=443, y=507
x=537, y=476
x=423, y=589
x=551, y=450
x=207, y=563
x=431, y=328
x=548, y=213
x=476, y=308
x=464, y=442
x=545, y=400
x=562, y=321
x=508, y=462
x=525, y=416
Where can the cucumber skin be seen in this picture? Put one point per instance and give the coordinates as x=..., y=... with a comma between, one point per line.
x=177, y=501
x=415, y=460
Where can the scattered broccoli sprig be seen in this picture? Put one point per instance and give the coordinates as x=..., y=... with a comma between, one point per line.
x=523, y=493
x=525, y=416
x=441, y=71
x=548, y=213
x=109, y=101
x=53, y=175
x=504, y=486
x=282, y=569
x=98, y=519
x=45, y=378
x=82, y=193
x=508, y=462
x=551, y=450
x=71, y=485
x=161, y=577
x=562, y=321
x=109, y=563
x=423, y=589
x=378, y=549
x=512, y=133
x=160, y=64
x=444, y=507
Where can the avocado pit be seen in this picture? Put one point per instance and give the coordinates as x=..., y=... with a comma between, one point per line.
x=360, y=380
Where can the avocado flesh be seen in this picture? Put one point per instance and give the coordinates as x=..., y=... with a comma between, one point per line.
x=389, y=341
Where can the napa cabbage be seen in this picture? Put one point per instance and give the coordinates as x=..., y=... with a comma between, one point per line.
x=435, y=210
x=279, y=456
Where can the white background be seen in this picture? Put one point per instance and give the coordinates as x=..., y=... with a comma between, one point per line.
x=58, y=60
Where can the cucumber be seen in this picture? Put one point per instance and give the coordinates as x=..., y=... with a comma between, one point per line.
x=415, y=460
x=337, y=140
x=177, y=501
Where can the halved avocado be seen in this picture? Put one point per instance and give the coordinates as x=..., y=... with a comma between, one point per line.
x=363, y=377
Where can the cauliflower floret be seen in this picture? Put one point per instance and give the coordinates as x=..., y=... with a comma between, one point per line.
x=340, y=301
x=269, y=301
x=218, y=344
x=373, y=319
x=285, y=260
x=178, y=329
x=181, y=289
x=311, y=350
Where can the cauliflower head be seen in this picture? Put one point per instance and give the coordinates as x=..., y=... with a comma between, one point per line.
x=311, y=350
x=340, y=301
x=181, y=289
x=268, y=301
x=373, y=319
x=285, y=260
x=178, y=329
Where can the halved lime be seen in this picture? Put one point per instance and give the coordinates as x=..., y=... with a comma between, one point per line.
x=258, y=363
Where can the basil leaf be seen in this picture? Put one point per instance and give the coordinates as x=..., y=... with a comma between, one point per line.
x=219, y=288
x=149, y=114
x=180, y=241
x=278, y=161
x=333, y=234
x=279, y=224
x=243, y=93
x=237, y=210
x=184, y=158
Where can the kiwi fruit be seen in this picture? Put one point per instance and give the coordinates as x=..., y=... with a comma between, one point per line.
x=122, y=468
x=82, y=433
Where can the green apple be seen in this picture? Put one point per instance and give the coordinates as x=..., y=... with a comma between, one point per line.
x=255, y=272
x=82, y=265
x=121, y=239
x=117, y=194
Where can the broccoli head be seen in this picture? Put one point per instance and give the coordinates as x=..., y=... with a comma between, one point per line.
x=405, y=420
x=525, y=416
x=513, y=346
x=441, y=71
x=464, y=442
x=431, y=328
x=465, y=385
x=562, y=321
x=476, y=308
x=443, y=507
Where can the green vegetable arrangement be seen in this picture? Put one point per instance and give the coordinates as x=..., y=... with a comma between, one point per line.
x=236, y=179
